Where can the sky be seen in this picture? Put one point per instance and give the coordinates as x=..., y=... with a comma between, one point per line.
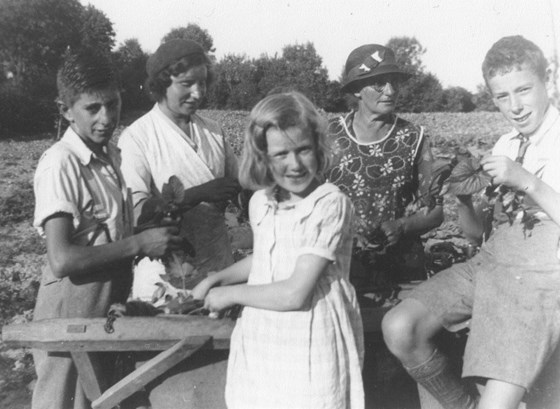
x=455, y=33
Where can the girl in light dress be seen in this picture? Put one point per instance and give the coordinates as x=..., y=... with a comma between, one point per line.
x=298, y=342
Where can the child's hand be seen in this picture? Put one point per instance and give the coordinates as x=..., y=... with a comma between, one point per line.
x=158, y=242
x=505, y=171
x=200, y=291
x=218, y=299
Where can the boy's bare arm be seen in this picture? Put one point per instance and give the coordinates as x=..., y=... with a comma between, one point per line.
x=68, y=259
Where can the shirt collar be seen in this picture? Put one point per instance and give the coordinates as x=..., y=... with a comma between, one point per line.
x=552, y=115
x=84, y=153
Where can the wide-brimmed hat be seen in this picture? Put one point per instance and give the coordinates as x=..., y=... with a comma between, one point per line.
x=366, y=62
x=169, y=52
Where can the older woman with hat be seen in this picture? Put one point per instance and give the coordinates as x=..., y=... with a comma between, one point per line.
x=173, y=140
x=384, y=163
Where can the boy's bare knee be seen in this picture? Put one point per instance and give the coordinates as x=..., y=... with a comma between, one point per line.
x=408, y=330
x=398, y=328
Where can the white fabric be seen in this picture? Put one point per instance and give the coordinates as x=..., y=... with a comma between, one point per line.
x=542, y=157
x=154, y=149
x=62, y=184
x=310, y=358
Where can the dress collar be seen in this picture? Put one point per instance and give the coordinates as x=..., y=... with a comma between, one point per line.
x=347, y=122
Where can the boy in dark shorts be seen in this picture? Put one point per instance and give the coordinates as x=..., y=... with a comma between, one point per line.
x=509, y=293
x=83, y=210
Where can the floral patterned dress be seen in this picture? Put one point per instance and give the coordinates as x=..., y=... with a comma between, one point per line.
x=386, y=180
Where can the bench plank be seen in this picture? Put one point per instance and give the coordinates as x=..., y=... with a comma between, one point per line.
x=130, y=333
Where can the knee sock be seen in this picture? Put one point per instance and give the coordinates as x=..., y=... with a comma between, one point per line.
x=437, y=377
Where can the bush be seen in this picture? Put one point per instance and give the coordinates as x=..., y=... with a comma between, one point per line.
x=24, y=113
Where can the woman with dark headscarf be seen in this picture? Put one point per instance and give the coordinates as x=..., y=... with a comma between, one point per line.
x=174, y=140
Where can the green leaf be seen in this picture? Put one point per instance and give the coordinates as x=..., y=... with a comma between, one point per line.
x=151, y=215
x=173, y=191
x=468, y=178
x=178, y=270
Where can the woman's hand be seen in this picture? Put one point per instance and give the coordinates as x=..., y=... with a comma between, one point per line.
x=394, y=230
x=218, y=299
x=217, y=190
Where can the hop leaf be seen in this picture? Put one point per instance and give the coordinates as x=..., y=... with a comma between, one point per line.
x=468, y=178
x=173, y=192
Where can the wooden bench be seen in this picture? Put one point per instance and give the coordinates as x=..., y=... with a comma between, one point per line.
x=178, y=336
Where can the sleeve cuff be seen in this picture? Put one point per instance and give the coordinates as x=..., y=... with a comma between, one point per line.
x=325, y=253
x=62, y=207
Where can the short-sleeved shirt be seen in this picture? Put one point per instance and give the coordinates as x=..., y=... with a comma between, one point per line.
x=309, y=358
x=72, y=179
x=382, y=178
x=153, y=149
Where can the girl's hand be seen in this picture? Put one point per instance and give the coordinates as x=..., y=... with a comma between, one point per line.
x=394, y=230
x=200, y=291
x=505, y=171
x=218, y=299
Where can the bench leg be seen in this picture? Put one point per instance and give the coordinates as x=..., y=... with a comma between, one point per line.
x=147, y=372
x=89, y=373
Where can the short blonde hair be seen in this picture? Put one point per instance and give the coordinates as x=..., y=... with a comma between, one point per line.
x=280, y=111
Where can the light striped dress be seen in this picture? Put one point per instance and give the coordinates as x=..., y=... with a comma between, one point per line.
x=310, y=358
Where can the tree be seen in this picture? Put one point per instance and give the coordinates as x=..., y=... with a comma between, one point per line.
x=235, y=86
x=97, y=32
x=192, y=32
x=423, y=92
x=408, y=53
x=334, y=98
x=457, y=99
x=35, y=33
x=131, y=63
x=302, y=69
x=483, y=100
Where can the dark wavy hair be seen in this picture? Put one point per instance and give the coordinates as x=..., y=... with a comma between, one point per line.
x=157, y=85
x=84, y=73
x=281, y=111
x=513, y=53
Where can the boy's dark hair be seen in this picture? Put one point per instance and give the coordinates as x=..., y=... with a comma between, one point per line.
x=511, y=53
x=158, y=84
x=82, y=73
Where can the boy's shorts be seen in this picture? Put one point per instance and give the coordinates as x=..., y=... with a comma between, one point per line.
x=509, y=296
